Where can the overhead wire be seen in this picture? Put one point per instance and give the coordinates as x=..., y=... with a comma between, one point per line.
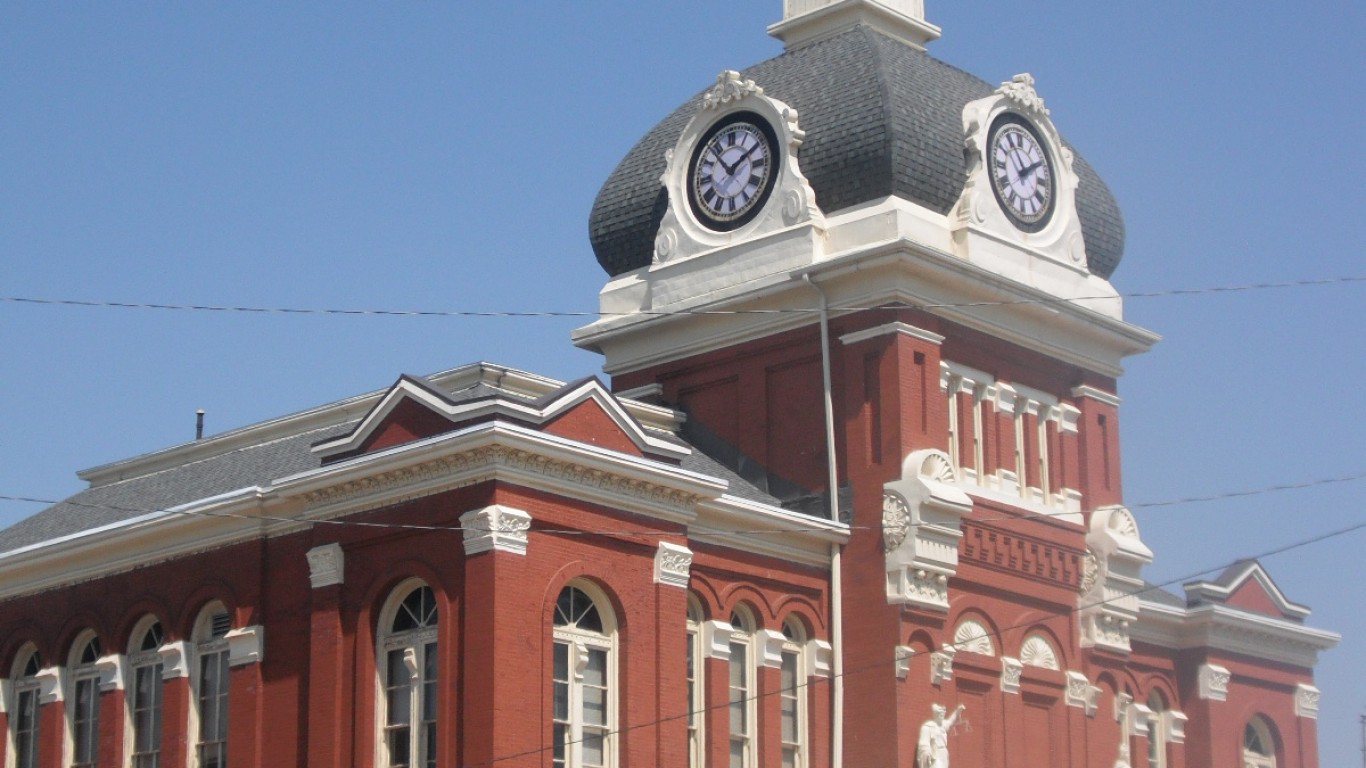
x=225, y=308
x=141, y=511
x=885, y=662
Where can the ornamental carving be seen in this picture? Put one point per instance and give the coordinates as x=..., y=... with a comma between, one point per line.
x=1122, y=522
x=729, y=88
x=673, y=564
x=896, y=521
x=1212, y=682
x=937, y=466
x=1020, y=90
x=1090, y=571
x=1038, y=652
x=941, y=665
x=972, y=637
x=1307, y=701
x=481, y=464
x=325, y=565
x=1081, y=694
x=1010, y=674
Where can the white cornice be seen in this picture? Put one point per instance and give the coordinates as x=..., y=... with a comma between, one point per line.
x=1080, y=327
x=490, y=451
x=536, y=412
x=1231, y=630
x=331, y=414
x=905, y=329
x=1096, y=394
x=763, y=529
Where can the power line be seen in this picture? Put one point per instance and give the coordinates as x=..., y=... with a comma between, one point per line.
x=882, y=664
x=655, y=313
x=139, y=511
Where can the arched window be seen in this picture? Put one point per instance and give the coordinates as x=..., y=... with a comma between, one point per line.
x=584, y=704
x=696, y=685
x=23, y=716
x=144, y=701
x=84, y=712
x=1157, y=737
x=792, y=696
x=1259, y=745
x=211, y=686
x=743, y=741
x=407, y=663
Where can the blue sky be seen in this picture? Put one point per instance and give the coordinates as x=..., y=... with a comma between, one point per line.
x=445, y=156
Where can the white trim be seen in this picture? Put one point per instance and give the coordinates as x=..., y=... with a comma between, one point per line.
x=716, y=636
x=246, y=645
x=495, y=528
x=1212, y=682
x=770, y=648
x=1306, y=701
x=326, y=565
x=1011, y=669
x=820, y=658
x=672, y=565
x=113, y=672
x=901, y=660
x=905, y=329
x=51, y=684
x=175, y=661
x=437, y=402
x=1099, y=395
x=1220, y=627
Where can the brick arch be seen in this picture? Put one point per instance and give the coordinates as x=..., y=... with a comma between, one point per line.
x=76, y=625
x=376, y=594
x=760, y=606
x=193, y=605
x=133, y=615
x=601, y=579
x=707, y=593
x=804, y=610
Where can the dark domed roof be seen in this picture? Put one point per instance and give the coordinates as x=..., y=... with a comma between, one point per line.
x=881, y=118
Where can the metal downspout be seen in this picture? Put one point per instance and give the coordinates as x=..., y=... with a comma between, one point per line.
x=836, y=593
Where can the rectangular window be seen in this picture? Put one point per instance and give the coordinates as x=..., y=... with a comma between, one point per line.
x=213, y=707
x=741, y=708
x=581, y=706
x=791, y=700
x=146, y=710
x=26, y=729
x=694, y=717
x=85, y=723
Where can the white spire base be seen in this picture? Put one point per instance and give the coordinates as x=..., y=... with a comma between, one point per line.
x=806, y=20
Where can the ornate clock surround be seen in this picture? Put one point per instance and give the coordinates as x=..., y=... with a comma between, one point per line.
x=786, y=200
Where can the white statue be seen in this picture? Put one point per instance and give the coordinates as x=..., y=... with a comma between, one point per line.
x=932, y=751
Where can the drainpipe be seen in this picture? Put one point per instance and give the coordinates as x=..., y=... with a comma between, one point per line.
x=836, y=593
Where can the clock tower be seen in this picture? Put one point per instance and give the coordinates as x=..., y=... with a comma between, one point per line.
x=879, y=289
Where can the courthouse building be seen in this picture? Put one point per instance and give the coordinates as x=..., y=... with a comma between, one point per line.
x=855, y=456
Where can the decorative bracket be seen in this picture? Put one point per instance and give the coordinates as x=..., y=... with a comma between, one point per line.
x=922, y=516
x=497, y=528
x=1116, y=554
x=673, y=564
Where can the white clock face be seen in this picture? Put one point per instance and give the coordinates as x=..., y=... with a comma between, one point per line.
x=1021, y=175
x=732, y=171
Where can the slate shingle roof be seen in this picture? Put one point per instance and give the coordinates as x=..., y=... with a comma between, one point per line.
x=881, y=118
x=249, y=465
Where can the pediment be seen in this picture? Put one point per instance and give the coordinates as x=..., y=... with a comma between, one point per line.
x=1246, y=586
x=413, y=410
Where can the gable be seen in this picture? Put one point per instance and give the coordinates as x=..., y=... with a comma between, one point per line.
x=587, y=422
x=408, y=421
x=1252, y=595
